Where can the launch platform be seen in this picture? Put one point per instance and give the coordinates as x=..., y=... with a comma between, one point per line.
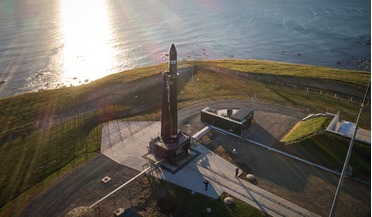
x=171, y=151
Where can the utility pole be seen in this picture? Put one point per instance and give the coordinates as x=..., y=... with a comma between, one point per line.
x=346, y=163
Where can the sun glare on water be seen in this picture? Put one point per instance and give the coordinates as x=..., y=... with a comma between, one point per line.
x=87, y=54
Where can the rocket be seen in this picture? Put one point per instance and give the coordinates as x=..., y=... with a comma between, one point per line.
x=169, y=128
x=173, y=60
x=173, y=89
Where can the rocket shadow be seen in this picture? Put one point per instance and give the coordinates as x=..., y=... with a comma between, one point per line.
x=259, y=134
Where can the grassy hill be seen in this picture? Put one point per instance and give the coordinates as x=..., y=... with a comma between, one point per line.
x=308, y=128
x=309, y=140
x=360, y=78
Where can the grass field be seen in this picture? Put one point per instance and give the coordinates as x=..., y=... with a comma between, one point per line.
x=297, y=70
x=36, y=150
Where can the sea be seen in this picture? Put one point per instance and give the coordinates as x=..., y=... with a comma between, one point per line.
x=48, y=44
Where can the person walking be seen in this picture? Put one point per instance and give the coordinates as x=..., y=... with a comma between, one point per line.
x=237, y=172
x=205, y=185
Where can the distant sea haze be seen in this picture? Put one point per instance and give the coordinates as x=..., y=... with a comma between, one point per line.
x=48, y=44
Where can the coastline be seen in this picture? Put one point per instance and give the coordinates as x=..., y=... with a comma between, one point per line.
x=75, y=81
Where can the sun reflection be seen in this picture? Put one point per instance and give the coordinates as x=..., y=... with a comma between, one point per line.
x=87, y=52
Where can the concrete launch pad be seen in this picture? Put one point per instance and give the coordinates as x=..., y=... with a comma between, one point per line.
x=127, y=143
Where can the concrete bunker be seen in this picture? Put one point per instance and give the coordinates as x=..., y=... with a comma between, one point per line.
x=236, y=121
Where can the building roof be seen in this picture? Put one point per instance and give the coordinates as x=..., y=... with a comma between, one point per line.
x=242, y=114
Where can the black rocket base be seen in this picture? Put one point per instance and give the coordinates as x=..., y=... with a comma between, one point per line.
x=173, y=144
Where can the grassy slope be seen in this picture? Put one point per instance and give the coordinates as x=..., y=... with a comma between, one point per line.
x=304, y=129
x=308, y=140
x=330, y=150
x=297, y=70
x=20, y=113
x=209, y=86
x=35, y=157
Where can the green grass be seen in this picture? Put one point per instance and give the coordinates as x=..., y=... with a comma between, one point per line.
x=35, y=157
x=287, y=69
x=304, y=129
x=208, y=86
x=19, y=114
x=330, y=150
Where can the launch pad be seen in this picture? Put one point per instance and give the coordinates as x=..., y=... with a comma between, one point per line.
x=170, y=151
x=173, y=144
x=180, y=162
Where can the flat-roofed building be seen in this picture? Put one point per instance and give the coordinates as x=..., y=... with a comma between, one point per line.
x=236, y=121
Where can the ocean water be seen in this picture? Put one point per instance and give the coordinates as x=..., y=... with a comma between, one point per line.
x=46, y=44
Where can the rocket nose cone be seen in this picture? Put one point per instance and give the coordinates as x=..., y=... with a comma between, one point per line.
x=172, y=52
